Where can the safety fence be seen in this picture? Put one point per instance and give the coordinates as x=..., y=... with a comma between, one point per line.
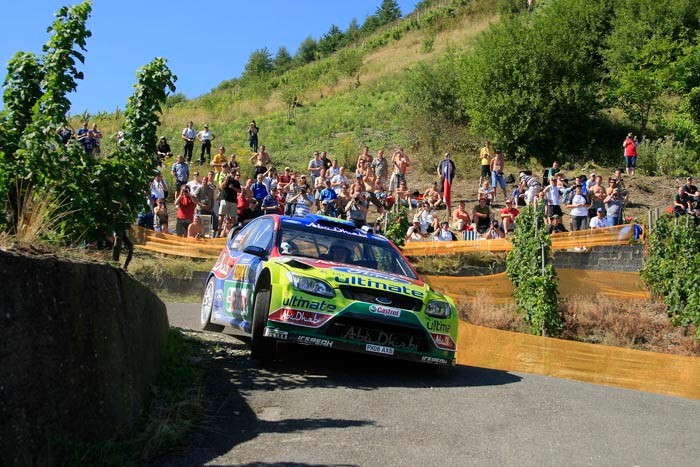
x=594, y=363
x=618, y=235
x=204, y=248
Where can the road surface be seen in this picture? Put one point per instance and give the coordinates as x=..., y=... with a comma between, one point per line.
x=321, y=407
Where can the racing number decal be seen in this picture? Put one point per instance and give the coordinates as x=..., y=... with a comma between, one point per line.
x=240, y=272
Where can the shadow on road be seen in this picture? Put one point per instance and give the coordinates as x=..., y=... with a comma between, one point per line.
x=230, y=420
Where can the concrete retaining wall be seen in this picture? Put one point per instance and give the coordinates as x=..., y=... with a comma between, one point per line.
x=628, y=258
x=80, y=345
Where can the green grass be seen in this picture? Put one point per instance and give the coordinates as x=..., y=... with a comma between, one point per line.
x=176, y=403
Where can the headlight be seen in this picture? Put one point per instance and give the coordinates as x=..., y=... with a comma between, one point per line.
x=438, y=309
x=310, y=285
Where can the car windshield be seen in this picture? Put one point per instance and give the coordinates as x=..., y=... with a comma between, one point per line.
x=342, y=246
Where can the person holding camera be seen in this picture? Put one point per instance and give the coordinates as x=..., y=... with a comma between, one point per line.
x=228, y=207
x=186, y=204
x=302, y=201
x=613, y=207
x=356, y=210
x=253, y=135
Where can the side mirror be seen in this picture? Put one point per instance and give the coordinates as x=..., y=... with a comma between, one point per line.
x=255, y=251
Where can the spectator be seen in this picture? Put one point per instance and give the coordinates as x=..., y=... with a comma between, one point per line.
x=326, y=162
x=682, y=203
x=333, y=170
x=599, y=221
x=508, y=216
x=381, y=194
x=399, y=164
x=380, y=166
x=160, y=217
x=229, y=224
x=219, y=177
x=461, y=218
x=205, y=195
x=403, y=196
x=356, y=210
x=181, y=172
x=259, y=189
x=630, y=146
x=493, y=232
x=613, y=207
x=497, y=166
x=205, y=137
x=415, y=233
x=247, y=189
x=302, y=202
x=432, y=196
x=428, y=222
x=519, y=194
x=551, y=196
x=486, y=192
x=481, y=215
x=291, y=190
x=443, y=234
x=253, y=211
x=196, y=229
x=325, y=209
x=228, y=207
x=159, y=188
x=271, y=180
x=243, y=203
x=445, y=165
x=219, y=159
x=185, y=210
x=590, y=182
x=365, y=157
x=553, y=170
x=65, y=133
x=485, y=155
x=253, y=136
x=188, y=136
x=284, y=179
x=692, y=192
x=329, y=195
x=163, y=149
x=579, y=209
x=555, y=225
x=339, y=180
x=315, y=167
x=85, y=139
x=531, y=186
x=343, y=200
x=96, y=137
x=262, y=160
x=367, y=189
x=596, y=195
x=233, y=163
x=195, y=183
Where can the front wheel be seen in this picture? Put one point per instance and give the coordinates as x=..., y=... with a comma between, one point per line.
x=207, y=307
x=261, y=347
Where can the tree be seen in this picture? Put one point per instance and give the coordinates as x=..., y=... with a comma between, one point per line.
x=353, y=31
x=331, y=41
x=388, y=12
x=259, y=64
x=307, y=51
x=282, y=60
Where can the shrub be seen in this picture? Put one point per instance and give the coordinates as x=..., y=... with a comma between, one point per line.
x=666, y=156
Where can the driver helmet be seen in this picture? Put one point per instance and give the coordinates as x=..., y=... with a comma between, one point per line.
x=287, y=248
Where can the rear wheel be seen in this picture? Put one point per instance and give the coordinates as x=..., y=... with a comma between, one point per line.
x=261, y=347
x=207, y=307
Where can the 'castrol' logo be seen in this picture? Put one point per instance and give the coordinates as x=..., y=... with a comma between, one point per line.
x=385, y=310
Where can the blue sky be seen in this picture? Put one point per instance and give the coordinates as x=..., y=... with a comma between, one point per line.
x=205, y=42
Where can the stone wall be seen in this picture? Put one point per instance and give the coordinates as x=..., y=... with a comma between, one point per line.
x=80, y=345
x=627, y=258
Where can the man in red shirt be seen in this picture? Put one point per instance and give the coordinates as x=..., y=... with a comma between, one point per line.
x=630, y=145
x=186, y=204
x=508, y=215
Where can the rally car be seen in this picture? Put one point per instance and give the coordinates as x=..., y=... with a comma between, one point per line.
x=321, y=281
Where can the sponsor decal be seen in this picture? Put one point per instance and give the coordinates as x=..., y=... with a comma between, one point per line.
x=218, y=297
x=385, y=311
x=236, y=297
x=315, y=305
x=304, y=318
x=379, y=349
x=275, y=333
x=374, y=284
x=443, y=341
x=428, y=359
x=381, y=338
x=240, y=272
x=315, y=341
x=437, y=325
x=368, y=273
x=338, y=229
x=222, y=268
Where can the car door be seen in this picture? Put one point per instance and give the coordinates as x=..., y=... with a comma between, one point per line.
x=245, y=268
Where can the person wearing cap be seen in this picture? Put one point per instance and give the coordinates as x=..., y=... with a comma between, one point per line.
x=493, y=232
x=613, y=207
x=599, y=221
x=415, y=233
x=188, y=136
x=205, y=137
x=219, y=159
x=555, y=225
x=530, y=186
x=508, y=215
x=443, y=234
x=270, y=204
x=163, y=149
x=325, y=209
x=328, y=195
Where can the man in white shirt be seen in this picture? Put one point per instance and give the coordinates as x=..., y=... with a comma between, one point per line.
x=338, y=180
x=188, y=136
x=443, y=234
x=599, y=221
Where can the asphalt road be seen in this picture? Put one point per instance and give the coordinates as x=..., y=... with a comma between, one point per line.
x=321, y=407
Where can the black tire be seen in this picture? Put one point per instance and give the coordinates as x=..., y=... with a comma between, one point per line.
x=262, y=348
x=207, y=307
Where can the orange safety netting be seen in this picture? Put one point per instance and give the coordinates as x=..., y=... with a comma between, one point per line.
x=205, y=248
x=618, y=235
x=627, y=285
x=613, y=366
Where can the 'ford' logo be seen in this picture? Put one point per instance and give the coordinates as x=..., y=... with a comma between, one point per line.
x=383, y=300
